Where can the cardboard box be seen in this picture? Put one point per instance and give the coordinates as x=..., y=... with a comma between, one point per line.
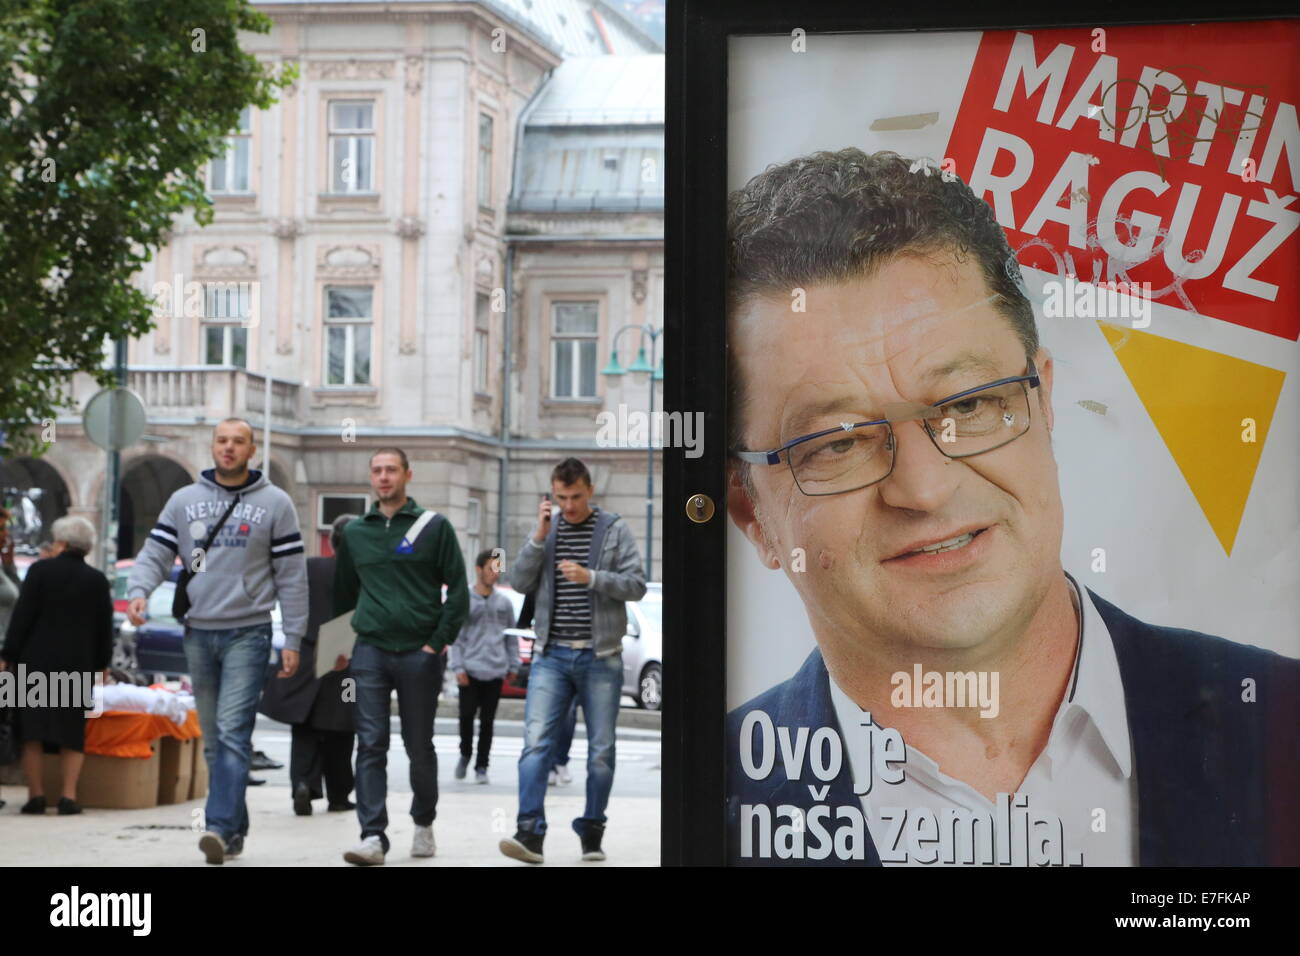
x=199, y=776
x=110, y=783
x=175, y=770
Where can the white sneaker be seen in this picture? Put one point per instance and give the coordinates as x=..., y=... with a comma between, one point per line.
x=480, y=776
x=562, y=774
x=369, y=852
x=550, y=779
x=422, y=844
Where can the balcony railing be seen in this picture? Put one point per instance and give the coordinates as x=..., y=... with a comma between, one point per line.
x=208, y=392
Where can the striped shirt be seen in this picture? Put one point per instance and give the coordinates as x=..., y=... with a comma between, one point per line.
x=571, y=616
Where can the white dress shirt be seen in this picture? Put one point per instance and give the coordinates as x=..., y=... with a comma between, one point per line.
x=1084, y=776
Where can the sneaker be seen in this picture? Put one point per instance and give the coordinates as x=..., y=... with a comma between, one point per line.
x=562, y=774
x=461, y=766
x=302, y=800
x=213, y=847
x=369, y=852
x=523, y=846
x=341, y=806
x=591, y=837
x=261, y=761
x=234, y=847
x=550, y=779
x=423, y=844
x=480, y=776
x=35, y=806
x=68, y=807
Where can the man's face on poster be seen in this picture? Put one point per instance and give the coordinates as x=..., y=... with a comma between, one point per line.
x=918, y=330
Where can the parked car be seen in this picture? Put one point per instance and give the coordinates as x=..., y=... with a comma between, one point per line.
x=159, y=643
x=642, y=649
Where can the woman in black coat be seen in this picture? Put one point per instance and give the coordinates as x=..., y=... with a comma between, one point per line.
x=320, y=719
x=63, y=622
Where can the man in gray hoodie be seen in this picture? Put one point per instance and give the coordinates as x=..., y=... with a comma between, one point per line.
x=482, y=657
x=255, y=558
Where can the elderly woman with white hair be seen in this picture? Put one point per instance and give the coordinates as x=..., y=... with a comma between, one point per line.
x=62, y=623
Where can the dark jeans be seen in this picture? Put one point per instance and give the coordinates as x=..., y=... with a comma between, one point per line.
x=565, y=738
x=559, y=675
x=316, y=754
x=481, y=697
x=417, y=678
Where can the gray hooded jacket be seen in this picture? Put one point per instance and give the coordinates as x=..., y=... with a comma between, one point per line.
x=255, y=558
x=616, y=577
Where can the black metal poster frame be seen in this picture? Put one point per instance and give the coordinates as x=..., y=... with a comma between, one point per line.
x=694, y=566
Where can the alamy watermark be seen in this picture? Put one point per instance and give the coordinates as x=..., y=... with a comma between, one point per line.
x=51, y=689
x=226, y=301
x=637, y=429
x=1098, y=300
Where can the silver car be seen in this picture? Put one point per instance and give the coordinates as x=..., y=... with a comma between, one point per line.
x=643, y=650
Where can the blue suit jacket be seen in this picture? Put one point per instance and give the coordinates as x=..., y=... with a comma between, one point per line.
x=1218, y=778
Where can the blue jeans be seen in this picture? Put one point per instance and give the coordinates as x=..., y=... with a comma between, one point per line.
x=228, y=669
x=559, y=676
x=565, y=738
x=417, y=677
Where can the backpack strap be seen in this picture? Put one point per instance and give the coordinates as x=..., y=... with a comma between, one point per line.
x=413, y=532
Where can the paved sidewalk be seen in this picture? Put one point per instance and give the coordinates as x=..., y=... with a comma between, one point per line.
x=470, y=822
x=471, y=817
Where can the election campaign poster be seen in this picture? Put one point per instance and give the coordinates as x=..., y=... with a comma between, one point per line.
x=1013, y=532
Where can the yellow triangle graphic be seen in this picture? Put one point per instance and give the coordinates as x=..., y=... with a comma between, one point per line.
x=1198, y=401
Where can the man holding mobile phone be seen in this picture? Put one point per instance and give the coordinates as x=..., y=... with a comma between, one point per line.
x=583, y=564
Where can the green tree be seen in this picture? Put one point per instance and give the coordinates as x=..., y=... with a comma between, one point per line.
x=111, y=110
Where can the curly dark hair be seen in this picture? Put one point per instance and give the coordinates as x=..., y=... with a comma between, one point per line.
x=836, y=216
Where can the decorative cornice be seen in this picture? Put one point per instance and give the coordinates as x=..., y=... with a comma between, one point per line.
x=356, y=260
x=410, y=227
x=287, y=228
x=350, y=69
x=225, y=260
x=414, y=74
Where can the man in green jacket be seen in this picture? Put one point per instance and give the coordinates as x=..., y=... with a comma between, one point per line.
x=392, y=565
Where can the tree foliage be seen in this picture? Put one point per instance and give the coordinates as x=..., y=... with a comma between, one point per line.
x=111, y=110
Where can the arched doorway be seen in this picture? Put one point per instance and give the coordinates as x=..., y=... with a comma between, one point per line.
x=146, y=485
x=36, y=497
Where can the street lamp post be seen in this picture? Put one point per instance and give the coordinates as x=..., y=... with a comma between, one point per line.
x=656, y=373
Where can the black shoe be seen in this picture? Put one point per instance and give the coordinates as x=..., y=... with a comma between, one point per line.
x=255, y=781
x=262, y=762
x=591, y=838
x=341, y=806
x=35, y=806
x=302, y=800
x=68, y=807
x=523, y=846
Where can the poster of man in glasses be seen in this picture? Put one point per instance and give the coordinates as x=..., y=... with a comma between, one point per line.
x=1014, y=442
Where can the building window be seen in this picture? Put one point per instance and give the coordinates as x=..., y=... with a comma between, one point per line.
x=352, y=146
x=328, y=509
x=473, y=523
x=573, y=349
x=230, y=173
x=349, y=319
x=485, y=160
x=225, y=343
x=482, y=341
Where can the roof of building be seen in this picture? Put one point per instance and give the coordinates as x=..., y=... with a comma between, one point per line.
x=594, y=138
x=569, y=27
